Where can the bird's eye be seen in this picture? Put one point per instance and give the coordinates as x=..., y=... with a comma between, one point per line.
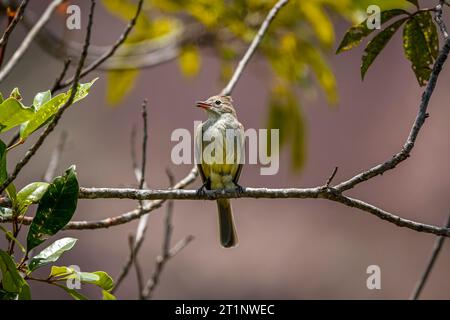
x=217, y=102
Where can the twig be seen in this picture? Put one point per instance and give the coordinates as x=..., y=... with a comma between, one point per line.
x=438, y=18
x=137, y=267
x=28, y=39
x=433, y=257
x=330, y=179
x=17, y=17
x=166, y=252
x=32, y=151
x=111, y=52
x=417, y=125
x=60, y=78
x=252, y=48
x=55, y=157
x=10, y=27
x=139, y=173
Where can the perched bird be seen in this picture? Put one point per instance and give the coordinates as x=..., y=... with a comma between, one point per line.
x=221, y=168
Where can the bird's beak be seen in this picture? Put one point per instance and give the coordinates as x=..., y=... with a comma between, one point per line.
x=203, y=104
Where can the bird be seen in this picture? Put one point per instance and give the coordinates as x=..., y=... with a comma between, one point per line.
x=220, y=170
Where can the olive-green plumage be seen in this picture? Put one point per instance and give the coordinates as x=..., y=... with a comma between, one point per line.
x=221, y=168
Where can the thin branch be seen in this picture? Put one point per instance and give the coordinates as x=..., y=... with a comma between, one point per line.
x=417, y=125
x=140, y=177
x=28, y=39
x=12, y=22
x=55, y=157
x=17, y=17
x=111, y=52
x=330, y=179
x=433, y=257
x=137, y=267
x=32, y=151
x=438, y=18
x=252, y=48
x=61, y=76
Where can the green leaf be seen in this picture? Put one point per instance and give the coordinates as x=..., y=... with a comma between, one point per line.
x=13, y=113
x=377, y=44
x=50, y=107
x=3, y=170
x=73, y=293
x=25, y=293
x=108, y=295
x=41, y=98
x=61, y=273
x=12, y=281
x=10, y=236
x=55, y=209
x=51, y=253
x=119, y=84
x=29, y=195
x=356, y=34
x=99, y=278
x=420, y=43
x=189, y=60
x=12, y=193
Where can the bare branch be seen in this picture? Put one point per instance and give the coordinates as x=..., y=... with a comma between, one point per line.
x=433, y=257
x=28, y=39
x=60, y=78
x=140, y=177
x=438, y=18
x=32, y=151
x=18, y=16
x=252, y=48
x=111, y=52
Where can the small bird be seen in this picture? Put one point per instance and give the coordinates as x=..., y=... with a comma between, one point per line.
x=221, y=170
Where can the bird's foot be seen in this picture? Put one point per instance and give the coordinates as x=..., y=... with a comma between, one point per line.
x=239, y=189
x=202, y=190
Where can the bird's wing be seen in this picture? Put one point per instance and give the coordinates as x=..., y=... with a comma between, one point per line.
x=198, y=150
x=241, y=153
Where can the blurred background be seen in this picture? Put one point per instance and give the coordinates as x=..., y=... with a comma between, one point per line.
x=289, y=249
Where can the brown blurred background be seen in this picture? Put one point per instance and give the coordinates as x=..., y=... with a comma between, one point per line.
x=289, y=249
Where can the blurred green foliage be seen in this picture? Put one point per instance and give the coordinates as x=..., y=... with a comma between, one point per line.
x=295, y=46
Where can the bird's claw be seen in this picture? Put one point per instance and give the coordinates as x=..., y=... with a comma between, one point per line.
x=202, y=190
x=239, y=189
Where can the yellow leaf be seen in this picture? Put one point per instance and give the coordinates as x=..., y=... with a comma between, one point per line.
x=319, y=21
x=119, y=84
x=189, y=60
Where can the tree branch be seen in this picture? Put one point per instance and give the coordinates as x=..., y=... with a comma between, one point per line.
x=28, y=39
x=109, y=53
x=252, y=48
x=32, y=151
x=411, y=139
x=433, y=257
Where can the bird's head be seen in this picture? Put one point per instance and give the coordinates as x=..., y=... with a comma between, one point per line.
x=217, y=105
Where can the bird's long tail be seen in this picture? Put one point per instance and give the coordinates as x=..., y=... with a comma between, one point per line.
x=227, y=230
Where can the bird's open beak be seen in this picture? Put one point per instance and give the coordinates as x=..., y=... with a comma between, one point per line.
x=203, y=104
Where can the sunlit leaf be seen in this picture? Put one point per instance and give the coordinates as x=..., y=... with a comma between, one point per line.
x=51, y=253
x=377, y=44
x=11, y=280
x=13, y=113
x=108, y=295
x=102, y=280
x=48, y=109
x=55, y=209
x=73, y=293
x=29, y=195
